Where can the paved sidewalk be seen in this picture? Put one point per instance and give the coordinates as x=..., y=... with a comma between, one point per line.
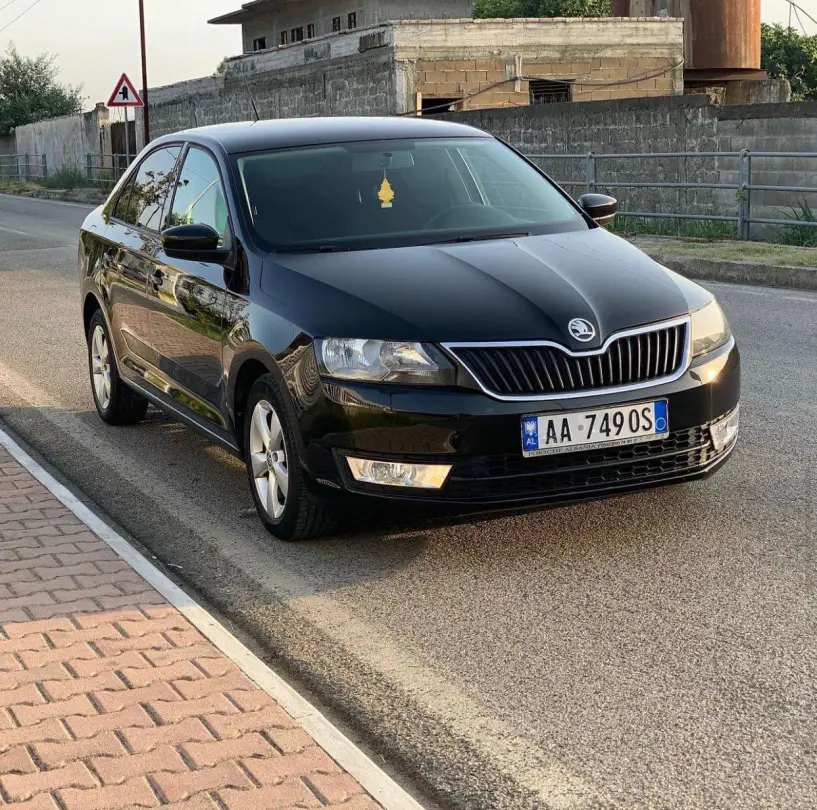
x=110, y=699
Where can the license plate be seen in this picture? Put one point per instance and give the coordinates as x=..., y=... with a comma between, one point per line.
x=593, y=430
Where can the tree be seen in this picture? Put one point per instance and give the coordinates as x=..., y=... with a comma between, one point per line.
x=787, y=54
x=222, y=67
x=541, y=8
x=29, y=91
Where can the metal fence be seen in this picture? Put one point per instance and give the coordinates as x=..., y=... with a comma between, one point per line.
x=747, y=164
x=22, y=168
x=104, y=171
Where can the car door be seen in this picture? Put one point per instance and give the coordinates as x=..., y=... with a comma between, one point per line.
x=131, y=253
x=186, y=300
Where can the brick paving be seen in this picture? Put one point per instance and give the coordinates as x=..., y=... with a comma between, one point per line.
x=111, y=700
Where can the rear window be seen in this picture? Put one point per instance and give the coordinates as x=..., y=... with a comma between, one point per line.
x=390, y=193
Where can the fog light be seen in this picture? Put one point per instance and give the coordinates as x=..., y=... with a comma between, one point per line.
x=399, y=474
x=725, y=430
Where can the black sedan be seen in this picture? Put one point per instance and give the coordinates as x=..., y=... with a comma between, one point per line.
x=397, y=308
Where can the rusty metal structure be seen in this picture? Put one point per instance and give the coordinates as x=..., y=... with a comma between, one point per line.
x=722, y=36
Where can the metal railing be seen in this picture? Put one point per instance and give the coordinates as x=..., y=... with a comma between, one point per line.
x=23, y=168
x=746, y=162
x=104, y=171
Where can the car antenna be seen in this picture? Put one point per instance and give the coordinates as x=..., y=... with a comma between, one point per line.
x=252, y=99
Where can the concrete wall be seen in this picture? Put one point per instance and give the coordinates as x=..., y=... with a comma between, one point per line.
x=602, y=58
x=352, y=74
x=271, y=19
x=673, y=124
x=64, y=141
x=379, y=70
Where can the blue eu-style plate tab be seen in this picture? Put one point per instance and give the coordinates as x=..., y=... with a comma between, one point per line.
x=661, y=418
x=530, y=433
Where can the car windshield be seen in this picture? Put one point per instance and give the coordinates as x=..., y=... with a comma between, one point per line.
x=372, y=194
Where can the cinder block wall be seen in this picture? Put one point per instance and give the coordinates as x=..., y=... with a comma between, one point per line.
x=603, y=59
x=672, y=124
x=350, y=74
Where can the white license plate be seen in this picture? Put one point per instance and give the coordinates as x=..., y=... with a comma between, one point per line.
x=592, y=430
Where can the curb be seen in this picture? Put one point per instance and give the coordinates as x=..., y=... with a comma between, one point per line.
x=804, y=278
x=57, y=195
x=355, y=762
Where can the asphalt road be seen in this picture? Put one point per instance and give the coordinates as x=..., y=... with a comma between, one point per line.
x=651, y=651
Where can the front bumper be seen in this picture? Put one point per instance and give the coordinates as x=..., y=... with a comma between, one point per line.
x=480, y=437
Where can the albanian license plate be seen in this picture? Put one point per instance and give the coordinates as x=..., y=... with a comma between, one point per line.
x=592, y=430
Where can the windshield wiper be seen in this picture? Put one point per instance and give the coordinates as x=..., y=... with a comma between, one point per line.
x=316, y=249
x=480, y=238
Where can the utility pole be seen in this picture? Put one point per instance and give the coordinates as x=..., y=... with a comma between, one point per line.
x=146, y=109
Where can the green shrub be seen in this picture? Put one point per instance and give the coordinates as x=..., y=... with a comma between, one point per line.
x=805, y=235
x=68, y=179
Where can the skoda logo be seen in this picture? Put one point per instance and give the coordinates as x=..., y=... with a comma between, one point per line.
x=582, y=330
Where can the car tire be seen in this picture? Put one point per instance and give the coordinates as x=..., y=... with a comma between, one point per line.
x=277, y=482
x=116, y=404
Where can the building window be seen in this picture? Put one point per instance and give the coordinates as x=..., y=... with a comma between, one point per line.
x=437, y=106
x=336, y=23
x=352, y=19
x=297, y=34
x=543, y=91
x=310, y=31
x=259, y=44
x=284, y=37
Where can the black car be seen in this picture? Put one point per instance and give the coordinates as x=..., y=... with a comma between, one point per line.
x=399, y=308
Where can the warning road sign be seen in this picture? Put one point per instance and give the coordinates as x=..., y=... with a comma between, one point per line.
x=125, y=95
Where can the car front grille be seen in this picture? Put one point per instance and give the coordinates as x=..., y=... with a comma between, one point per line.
x=507, y=477
x=499, y=479
x=546, y=370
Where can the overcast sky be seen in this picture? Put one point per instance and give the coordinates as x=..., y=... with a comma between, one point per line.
x=95, y=41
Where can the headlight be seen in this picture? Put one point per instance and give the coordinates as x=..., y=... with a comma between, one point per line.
x=384, y=361
x=710, y=328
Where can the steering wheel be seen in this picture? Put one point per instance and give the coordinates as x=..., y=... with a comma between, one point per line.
x=477, y=215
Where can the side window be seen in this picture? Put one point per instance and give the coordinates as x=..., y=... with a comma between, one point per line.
x=200, y=196
x=123, y=210
x=152, y=187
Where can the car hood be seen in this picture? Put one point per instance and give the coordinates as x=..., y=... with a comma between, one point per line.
x=510, y=289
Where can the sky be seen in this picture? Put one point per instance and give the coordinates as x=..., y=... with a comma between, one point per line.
x=95, y=41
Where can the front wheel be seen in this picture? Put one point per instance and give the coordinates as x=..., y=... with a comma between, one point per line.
x=115, y=402
x=282, y=500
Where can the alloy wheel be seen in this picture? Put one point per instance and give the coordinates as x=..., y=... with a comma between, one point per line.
x=268, y=459
x=101, y=367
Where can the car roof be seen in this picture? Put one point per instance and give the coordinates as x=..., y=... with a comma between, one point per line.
x=251, y=136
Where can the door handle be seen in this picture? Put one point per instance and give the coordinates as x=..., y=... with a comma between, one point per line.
x=157, y=279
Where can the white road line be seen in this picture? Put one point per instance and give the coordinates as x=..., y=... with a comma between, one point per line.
x=14, y=230
x=331, y=739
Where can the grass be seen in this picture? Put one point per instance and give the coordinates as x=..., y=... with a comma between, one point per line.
x=800, y=234
x=734, y=251
x=694, y=229
x=65, y=179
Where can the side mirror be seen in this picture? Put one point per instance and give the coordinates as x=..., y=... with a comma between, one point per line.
x=599, y=207
x=193, y=242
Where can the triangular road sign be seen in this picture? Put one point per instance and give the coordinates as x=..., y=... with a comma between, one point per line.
x=125, y=95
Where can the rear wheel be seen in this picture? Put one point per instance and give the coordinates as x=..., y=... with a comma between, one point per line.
x=115, y=402
x=283, y=502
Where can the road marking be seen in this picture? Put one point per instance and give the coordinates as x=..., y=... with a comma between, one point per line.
x=330, y=738
x=531, y=767
x=14, y=230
